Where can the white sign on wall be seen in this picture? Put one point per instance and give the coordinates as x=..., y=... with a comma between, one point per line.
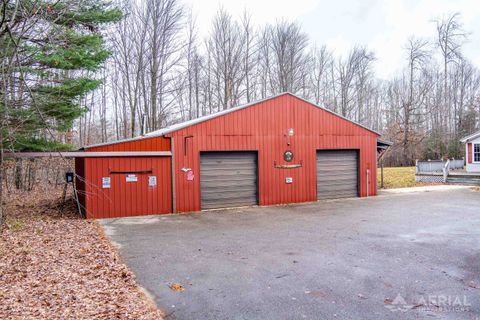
x=106, y=182
x=131, y=178
x=288, y=180
x=152, y=181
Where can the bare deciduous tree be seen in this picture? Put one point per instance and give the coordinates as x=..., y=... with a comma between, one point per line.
x=451, y=37
x=226, y=46
x=164, y=69
x=287, y=46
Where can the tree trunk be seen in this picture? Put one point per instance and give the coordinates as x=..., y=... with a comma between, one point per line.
x=1, y=178
x=19, y=174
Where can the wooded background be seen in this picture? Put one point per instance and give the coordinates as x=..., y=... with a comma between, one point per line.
x=79, y=72
x=136, y=66
x=161, y=72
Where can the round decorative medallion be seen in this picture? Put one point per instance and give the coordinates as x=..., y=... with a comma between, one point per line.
x=288, y=156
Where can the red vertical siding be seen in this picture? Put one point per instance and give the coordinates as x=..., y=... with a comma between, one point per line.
x=127, y=198
x=470, y=153
x=146, y=144
x=263, y=128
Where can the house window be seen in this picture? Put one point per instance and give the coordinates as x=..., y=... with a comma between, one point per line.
x=476, y=152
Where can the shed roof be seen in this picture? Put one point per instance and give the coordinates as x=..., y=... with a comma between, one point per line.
x=470, y=137
x=383, y=144
x=79, y=154
x=182, y=125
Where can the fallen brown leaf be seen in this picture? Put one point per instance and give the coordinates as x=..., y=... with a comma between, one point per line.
x=54, y=265
x=177, y=287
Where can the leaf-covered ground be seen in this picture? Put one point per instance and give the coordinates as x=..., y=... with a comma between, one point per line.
x=54, y=265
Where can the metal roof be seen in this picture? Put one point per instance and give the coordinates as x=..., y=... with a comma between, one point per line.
x=79, y=154
x=470, y=137
x=385, y=143
x=182, y=125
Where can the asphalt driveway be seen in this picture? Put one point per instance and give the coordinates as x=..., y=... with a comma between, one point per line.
x=399, y=256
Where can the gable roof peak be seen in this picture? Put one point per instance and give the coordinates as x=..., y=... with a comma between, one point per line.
x=185, y=124
x=470, y=137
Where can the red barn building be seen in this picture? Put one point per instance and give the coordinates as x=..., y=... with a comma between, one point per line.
x=279, y=150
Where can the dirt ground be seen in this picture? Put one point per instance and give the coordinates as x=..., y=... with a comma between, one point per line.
x=54, y=265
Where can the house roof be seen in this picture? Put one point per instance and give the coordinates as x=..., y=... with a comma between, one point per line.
x=470, y=137
x=182, y=125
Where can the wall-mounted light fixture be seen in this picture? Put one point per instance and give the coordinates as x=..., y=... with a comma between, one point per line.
x=288, y=135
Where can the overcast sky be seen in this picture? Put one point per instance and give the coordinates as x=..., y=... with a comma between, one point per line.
x=382, y=25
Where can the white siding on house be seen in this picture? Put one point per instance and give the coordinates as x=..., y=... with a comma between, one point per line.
x=474, y=166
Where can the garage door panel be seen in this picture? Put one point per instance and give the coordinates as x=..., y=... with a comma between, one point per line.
x=341, y=157
x=234, y=157
x=345, y=184
x=242, y=162
x=238, y=190
x=336, y=195
x=340, y=175
x=228, y=179
x=227, y=195
x=234, y=168
x=337, y=174
x=339, y=180
x=225, y=203
x=228, y=183
x=324, y=165
x=221, y=176
x=339, y=188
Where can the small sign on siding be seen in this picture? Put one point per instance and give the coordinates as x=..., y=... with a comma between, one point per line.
x=288, y=180
x=152, y=181
x=106, y=182
x=131, y=178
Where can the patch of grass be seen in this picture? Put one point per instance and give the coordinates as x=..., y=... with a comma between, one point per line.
x=16, y=225
x=397, y=177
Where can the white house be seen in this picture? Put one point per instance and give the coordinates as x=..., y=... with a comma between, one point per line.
x=472, y=151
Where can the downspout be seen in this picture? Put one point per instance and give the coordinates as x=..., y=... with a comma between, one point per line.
x=174, y=195
x=368, y=182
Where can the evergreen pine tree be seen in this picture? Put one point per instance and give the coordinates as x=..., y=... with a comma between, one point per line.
x=46, y=48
